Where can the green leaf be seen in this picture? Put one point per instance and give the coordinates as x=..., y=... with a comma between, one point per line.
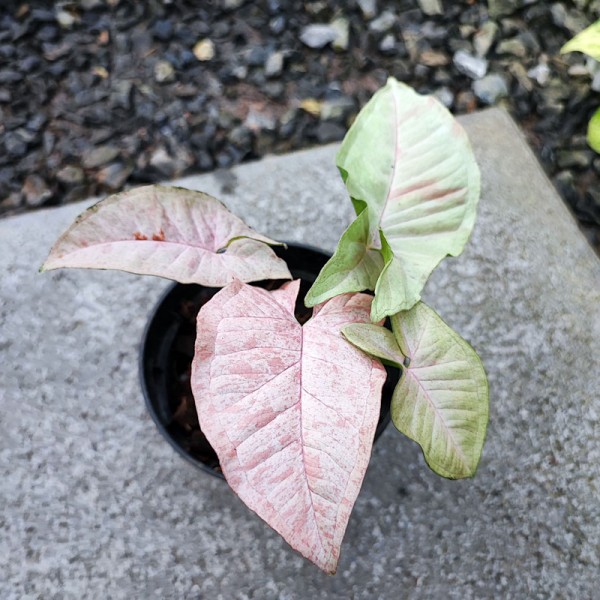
x=586, y=41
x=441, y=401
x=412, y=163
x=393, y=277
x=354, y=267
x=376, y=341
x=593, y=134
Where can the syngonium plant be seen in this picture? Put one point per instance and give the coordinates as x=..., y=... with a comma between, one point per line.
x=291, y=410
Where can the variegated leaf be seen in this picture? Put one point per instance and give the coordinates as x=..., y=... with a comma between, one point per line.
x=411, y=162
x=291, y=411
x=169, y=232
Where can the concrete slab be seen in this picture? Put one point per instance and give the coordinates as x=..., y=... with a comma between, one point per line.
x=94, y=504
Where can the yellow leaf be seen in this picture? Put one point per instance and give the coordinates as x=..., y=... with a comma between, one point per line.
x=587, y=41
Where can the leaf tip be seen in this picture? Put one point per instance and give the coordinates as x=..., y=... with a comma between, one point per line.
x=309, y=300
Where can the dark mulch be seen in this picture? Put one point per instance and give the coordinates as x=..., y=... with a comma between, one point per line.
x=96, y=95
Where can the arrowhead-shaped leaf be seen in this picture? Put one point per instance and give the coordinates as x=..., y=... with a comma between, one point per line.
x=169, y=232
x=441, y=401
x=411, y=162
x=291, y=411
x=586, y=41
x=354, y=267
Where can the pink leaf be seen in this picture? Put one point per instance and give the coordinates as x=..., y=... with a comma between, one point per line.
x=170, y=232
x=291, y=411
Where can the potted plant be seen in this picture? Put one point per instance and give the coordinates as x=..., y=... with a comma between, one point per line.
x=291, y=409
x=167, y=351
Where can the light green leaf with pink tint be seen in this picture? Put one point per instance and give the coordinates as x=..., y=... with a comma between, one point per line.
x=411, y=162
x=169, y=232
x=441, y=400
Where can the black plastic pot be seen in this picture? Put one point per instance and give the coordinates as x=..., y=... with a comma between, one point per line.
x=168, y=349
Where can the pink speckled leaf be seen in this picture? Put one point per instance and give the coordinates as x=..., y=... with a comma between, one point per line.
x=291, y=411
x=169, y=232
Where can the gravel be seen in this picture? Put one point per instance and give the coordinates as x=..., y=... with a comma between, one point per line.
x=96, y=95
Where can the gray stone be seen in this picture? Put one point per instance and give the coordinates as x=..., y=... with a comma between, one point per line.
x=435, y=33
x=491, y=88
x=337, y=109
x=241, y=137
x=162, y=161
x=445, y=96
x=274, y=64
x=368, y=8
x=514, y=46
x=413, y=41
x=101, y=155
x=95, y=504
x=498, y=8
x=120, y=95
x=342, y=37
x=14, y=144
x=164, y=72
x=13, y=200
x=388, y=44
x=277, y=24
x=385, y=21
x=484, y=38
x=318, y=35
x=540, y=73
x=35, y=190
x=519, y=72
x=65, y=19
x=260, y=120
x=578, y=70
x=579, y=159
x=472, y=66
x=431, y=7
x=114, y=176
x=90, y=4
x=232, y=4
x=70, y=175
x=434, y=58
x=572, y=20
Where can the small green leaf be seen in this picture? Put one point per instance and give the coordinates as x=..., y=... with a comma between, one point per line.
x=441, y=401
x=593, y=135
x=353, y=268
x=390, y=296
x=376, y=341
x=587, y=41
